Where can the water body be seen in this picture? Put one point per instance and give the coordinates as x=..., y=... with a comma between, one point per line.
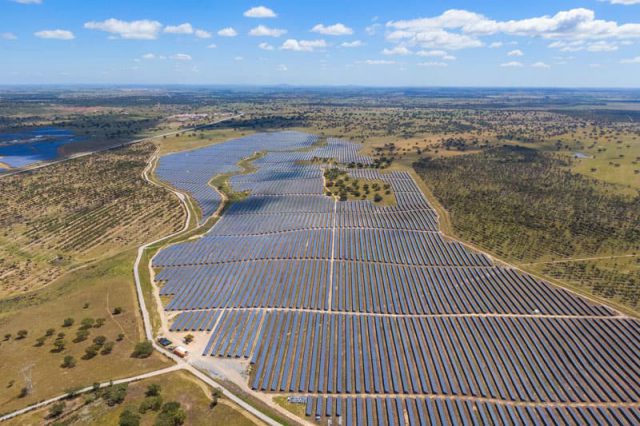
x=25, y=148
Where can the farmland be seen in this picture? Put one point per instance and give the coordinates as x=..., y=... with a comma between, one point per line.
x=318, y=296
x=58, y=218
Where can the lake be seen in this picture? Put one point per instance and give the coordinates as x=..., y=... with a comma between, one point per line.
x=25, y=148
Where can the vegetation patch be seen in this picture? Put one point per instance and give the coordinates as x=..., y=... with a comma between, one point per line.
x=527, y=206
x=339, y=184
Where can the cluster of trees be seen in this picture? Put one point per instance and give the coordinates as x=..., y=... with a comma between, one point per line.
x=340, y=184
x=527, y=206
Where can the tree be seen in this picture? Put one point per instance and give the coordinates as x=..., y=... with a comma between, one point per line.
x=87, y=323
x=99, y=340
x=68, y=362
x=59, y=345
x=129, y=418
x=115, y=394
x=107, y=348
x=81, y=335
x=153, y=389
x=153, y=403
x=23, y=392
x=68, y=322
x=22, y=334
x=171, y=415
x=99, y=322
x=7, y=336
x=91, y=352
x=56, y=410
x=40, y=341
x=188, y=338
x=117, y=310
x=49, y=332
x=142, y=350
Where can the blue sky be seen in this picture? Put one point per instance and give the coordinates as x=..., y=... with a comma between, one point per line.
x=588, y=43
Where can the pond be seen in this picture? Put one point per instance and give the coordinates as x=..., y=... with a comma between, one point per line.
x=22, y=149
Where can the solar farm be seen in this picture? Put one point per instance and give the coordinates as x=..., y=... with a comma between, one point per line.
x=368, y=314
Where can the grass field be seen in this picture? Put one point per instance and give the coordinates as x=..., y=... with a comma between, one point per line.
x=92, y=292
x=194, y=399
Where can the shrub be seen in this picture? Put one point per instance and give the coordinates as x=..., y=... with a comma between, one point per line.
x=91, y=352
x=107, y=348
x=23, y=392
x=99, y=322
x=87, y=323
x=99, y=340
x=56, y=410
x=115, y=394
x=120, y=337
x=49, y=332
x=68, y=322
x=377, y=198
x=81, y=336
x=153, y=390
x=117, y=310
x=21, y=334
x=7, y=336
x=150, y=403
x=58, y=345
x=40, y=341
x=143, y=350
x=129, y=418
x=171, y=415
x=68, y=362
x=188, y=338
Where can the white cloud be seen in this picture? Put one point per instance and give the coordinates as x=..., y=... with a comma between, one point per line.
x=332, y=30
x=516, y=52
x=352, y=44
x=513, y=64
x=398, y=50
x=379, y=62
x=238, y=58
x=602, y=46
x=433, y=64
x=635, y=60
x=282, y=68
x=303, y=45
x=55, y=34
x=227, y=32
x=541, y=65
x=27, y=1
x=372, y=29
x=149, y=56
x=260, y=12
x=132, y=30
x=625, y=2
x=8, y=36
x=185, y=28
x=432, y=53
x=181, y=57
x=460, y=29
x=212, y=46
x=265, y=46
x=496, y=45
x=203, y=34
x=264, y=31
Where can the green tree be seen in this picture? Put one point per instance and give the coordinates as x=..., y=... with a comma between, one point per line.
x=129, y=418
x=68, y=362
x=56, y=410
x=143, y=349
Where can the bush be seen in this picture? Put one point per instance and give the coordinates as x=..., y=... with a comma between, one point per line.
x=153, y=390
x=107, y=348
x=188, y=338
x=49, y=332
x=68, y=322
x=143, y=350
x=40, y=341
x=129, y=418
x=120, y=337
x=150, y=403
x=23, y=392
x=56, y=410
x=99, y=340
x=115, y=394
x=99, y=323
x=87, y=323
x=91, y=352
x=21, y=334
x=117, y=310
x=377, y=198
x=81, y=335
x=68, y=362
x=7, y=336
x=171, y=415
x=58, y=345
